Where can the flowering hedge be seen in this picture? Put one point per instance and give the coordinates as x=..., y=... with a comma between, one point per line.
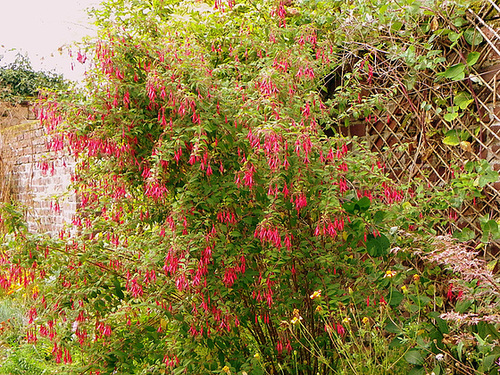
x=220, y=229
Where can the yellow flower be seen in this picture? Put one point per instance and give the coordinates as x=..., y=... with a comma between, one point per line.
x=365, y=320
x=316, y=294
x=256, y=355
x=226, y=370
x=404, y=289
x=296, y=319
x=319, y=308
x=416, y=278
x=390, y=274
x=346, y=320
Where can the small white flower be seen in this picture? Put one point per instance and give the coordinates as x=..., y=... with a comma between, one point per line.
x=439, y=357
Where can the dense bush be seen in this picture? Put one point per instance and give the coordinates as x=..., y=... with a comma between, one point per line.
x=19, y=82
x=220, y=229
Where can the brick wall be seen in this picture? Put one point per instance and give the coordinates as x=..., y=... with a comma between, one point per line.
x=31, y=175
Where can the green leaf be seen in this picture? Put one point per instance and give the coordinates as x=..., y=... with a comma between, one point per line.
x=379, y=216
x=451, y=138
x=378, y=246
x=459, y=21
x=395, y=343
x=488, y=178
x=464, y=235
x=463, y=99
x=460, y=348
x=442, y=325
x=436, y=370
x=450, y=117
x=463, y=306
x=453, y=36
x=395, y=297
x=473, y=37
x=396, y=26
x=392, y=328
x=364, y=204
x=417, y=371
x=455, y=72
x=353, y=206
x=414, y=357
x=488, y=361
x=472, y=58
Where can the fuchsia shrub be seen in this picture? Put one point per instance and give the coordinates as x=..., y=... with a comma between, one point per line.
x=213, y=207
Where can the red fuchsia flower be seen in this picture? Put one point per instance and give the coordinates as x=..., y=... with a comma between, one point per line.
x=155, y=190
x=67, y=356
x=31, y=336
x=340, y=329
x=288, y=242
x=170, y=361
x=181, y=282
x=32, y=314
x=230, y=276
x=300, y=201
x=343, y=187
x=450, y=295
x=134, y=288
x=279, y=347
x=81, y=58
x=248, y=176
x=57, y=352
x=266, y=233
x=151, y=90
x=266, y=87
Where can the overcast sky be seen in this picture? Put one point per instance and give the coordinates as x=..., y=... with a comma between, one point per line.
x=40, y=27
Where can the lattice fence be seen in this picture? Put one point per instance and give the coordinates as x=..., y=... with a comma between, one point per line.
x=410, y=132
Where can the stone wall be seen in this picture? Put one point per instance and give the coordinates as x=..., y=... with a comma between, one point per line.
x=31, y=176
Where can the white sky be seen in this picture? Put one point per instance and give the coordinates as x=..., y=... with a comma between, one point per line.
x=40, y=27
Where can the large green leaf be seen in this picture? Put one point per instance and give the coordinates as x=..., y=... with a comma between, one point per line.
x=472, y=58
x=473, y=37
x=451, y=138
x=455, y=72
x=378, y=246
x=463, y=99
x=414, y=357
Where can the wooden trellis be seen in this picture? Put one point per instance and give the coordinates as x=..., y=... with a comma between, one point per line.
x=408, y=134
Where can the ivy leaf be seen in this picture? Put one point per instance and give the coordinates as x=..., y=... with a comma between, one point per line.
x=464, y=235
x=462, y=100
x=450, y=117
x=459, y=21
x=455, y=72
x=473, y=37
x=453, y=36
x=451, y=137
x=472, y=58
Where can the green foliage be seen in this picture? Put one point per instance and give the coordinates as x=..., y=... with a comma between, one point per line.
x=19, y=82
x=23, y=360
x=220, y=229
